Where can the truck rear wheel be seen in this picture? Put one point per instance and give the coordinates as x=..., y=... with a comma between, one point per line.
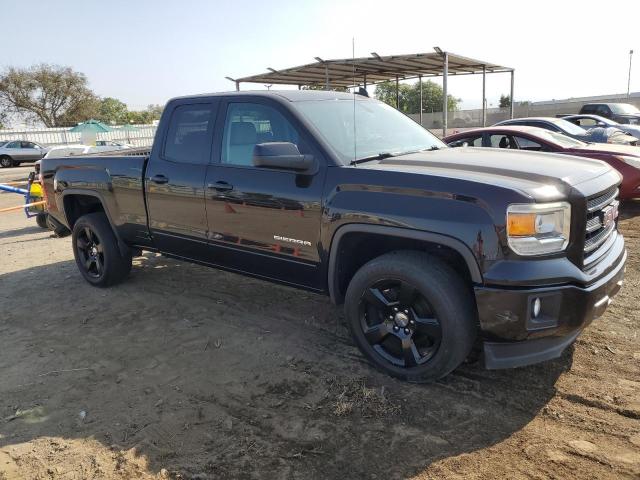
x=96, y=251
x=411, y=315
x=41, y=220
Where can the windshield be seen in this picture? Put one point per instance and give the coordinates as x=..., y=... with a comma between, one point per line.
x=569, y=127
x=379, y=128
x=559, y=139
x=624, y=109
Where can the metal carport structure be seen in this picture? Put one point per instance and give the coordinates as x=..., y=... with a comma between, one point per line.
x=363, y=71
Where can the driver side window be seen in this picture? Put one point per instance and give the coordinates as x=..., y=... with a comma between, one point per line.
x=248, y=124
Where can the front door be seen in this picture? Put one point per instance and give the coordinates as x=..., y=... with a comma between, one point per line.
x=263, y=221
x=175, y=177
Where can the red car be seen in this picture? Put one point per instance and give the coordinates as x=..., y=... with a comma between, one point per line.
x=625, y=159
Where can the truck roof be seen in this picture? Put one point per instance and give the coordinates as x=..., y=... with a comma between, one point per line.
x=291, y=95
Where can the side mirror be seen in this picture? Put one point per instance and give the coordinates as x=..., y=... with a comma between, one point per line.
x=283, y=156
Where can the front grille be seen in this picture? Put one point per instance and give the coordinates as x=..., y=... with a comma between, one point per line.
x=596, y=232
x=601, y=200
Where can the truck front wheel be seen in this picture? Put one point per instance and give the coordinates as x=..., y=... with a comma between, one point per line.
x=96, y=251
x=412, y=315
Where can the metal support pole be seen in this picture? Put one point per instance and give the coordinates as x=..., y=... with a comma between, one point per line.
x=484, y=95
x=629, y=80
x=420, y=83
x=299, y=87
x=512, y=103
x=445, y=96
x=365, y=81
x=326, y=76
x=237, y=86
x=397, y=93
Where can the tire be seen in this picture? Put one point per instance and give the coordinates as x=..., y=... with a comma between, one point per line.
x=6, y=162
x=58, y=230
x=42, y=220
x=411, y=315
x=96, y=251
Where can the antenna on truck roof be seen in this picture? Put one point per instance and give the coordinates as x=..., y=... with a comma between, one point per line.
x=355, y=90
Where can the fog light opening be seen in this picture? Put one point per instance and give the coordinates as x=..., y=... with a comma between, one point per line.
x=537, y=306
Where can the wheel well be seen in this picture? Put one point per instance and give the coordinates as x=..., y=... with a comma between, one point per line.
x=357, y=248
x=76, y=206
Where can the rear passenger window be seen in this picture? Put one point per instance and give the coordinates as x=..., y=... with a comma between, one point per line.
x=189, y=136
x=248, y=124
x=526, y=144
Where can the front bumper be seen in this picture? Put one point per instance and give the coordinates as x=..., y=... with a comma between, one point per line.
x=515, y=338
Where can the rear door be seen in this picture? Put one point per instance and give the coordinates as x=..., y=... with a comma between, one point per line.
x=263, y=221
x=175, y=176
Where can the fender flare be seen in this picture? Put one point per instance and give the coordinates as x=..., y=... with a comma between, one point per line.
x=437, y=238
x=122, y=246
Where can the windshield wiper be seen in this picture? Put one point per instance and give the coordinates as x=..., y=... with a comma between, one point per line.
x=378, y=156
x=382, y=156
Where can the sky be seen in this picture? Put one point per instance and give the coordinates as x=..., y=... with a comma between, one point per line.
x=145, y=52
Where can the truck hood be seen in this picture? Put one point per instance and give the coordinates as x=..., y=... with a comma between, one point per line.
x=532, y=173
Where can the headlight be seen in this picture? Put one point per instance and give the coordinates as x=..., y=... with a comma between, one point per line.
x=538, y=228
x=633, y=161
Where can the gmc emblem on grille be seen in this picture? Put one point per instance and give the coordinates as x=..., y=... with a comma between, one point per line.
x=609, y=215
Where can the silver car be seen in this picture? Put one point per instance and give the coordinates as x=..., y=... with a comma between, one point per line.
x=15, y=152
x=588, y=121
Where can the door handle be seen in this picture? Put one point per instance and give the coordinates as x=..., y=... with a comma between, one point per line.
x=220, y=186
x=159, y=179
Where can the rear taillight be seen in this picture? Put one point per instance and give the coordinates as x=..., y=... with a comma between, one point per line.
x=44, y=190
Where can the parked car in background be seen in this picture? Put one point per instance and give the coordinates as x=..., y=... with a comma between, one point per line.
x=588, y=121
x=15, y=152
x=560, y=125
x=625, y=159
x=80, y=149
x=618, y=112
x=110, y=145
x=67, y=150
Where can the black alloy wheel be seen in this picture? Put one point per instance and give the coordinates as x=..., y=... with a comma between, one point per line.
x=399, y=323
x=90, y=252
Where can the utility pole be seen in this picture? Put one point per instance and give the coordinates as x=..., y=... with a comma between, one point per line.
x=629, y=79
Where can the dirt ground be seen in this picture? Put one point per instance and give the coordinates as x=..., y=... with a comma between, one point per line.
x=187, y=372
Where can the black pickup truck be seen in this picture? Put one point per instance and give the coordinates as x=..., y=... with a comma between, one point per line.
x=430, y=249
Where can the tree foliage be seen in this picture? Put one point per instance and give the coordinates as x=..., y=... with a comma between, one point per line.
x=112, y=111
x=53, y=94
x=505, y=101
x=151, y=113
x=409, y=96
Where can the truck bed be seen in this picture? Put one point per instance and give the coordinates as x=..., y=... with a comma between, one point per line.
x=117, y=180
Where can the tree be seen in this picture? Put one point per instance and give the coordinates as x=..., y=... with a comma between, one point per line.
x=112, y=111
x=152, y=112
x=505, y=101
x=409, y=96
x=54, y=94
